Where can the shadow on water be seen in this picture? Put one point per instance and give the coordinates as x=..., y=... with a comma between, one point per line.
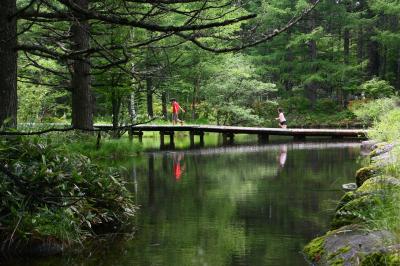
x=228, y=205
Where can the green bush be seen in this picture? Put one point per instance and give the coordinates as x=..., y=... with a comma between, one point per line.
x=371, y=111
x=326, y=106
x=377, y=88
x=49, y=192
x=387, y=128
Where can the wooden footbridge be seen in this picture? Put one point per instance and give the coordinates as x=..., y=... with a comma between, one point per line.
x=228, y=132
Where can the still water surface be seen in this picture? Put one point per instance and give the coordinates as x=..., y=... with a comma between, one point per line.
x=241, y=205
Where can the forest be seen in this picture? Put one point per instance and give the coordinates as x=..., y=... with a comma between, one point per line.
x=230, y=63
x=69, y=65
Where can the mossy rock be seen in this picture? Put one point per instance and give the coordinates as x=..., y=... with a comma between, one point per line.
x=315, y=249
x=349, y=196
x=381, y=148
x=379, y=183
x=381, y=258
x=365, y=173
x=352, y=211
x=352, y=244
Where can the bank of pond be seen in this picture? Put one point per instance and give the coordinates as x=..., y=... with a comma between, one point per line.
x=243, y=204
x=365, y=228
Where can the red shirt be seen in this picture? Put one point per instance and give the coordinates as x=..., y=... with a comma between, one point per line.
x=175, y=107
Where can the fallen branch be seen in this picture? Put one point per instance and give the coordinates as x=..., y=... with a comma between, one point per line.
x=66, y=129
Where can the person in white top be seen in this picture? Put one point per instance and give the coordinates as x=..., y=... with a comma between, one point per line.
x=281, y=118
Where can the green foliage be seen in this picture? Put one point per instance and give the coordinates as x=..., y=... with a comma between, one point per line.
x=41, y=104
x=376, y=88
x=114, y=149
x=50, y=192
x=370, y=111
x=388, y=128
x=315, y=249
x=233, y=92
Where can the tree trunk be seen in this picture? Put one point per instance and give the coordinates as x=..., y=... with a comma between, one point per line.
x=149, y=90
x=360, y=45
x=383, y=65
x=131, y=108
x=346, y=46
x=164, y=105
x=116, y=107
x=196, y=88
x=8, y=64
x=82, y=109
x=373, y=58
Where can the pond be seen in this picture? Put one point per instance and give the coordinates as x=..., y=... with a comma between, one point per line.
x=239, y=205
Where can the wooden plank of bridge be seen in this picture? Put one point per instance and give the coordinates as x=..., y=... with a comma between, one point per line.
x=229, y=131
x=256, y=130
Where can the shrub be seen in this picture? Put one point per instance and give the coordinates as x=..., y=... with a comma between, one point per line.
x=376, y=88
x=47, y=192
x=387, y=128
x=370, y=111
x=326, y=105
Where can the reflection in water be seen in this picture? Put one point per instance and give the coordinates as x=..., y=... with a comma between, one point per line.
x=177, y=168
x=282, y=155
x=233, y=206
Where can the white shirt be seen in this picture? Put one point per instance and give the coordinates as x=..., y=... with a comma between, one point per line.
x=281, y=117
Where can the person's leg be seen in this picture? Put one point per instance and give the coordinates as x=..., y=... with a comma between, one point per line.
x=174, y=117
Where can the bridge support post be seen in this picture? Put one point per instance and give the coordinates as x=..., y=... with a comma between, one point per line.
x=133, y=133
x=228, y=138
x=161, y=138
x=263, y=138
x=171, y=139
x=140, y=135
x=191, y=135
x=201, y=136
x=130, y=133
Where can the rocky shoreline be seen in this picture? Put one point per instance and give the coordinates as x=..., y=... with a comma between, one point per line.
x=351, y=240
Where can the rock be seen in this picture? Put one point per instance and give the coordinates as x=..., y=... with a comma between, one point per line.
x=349, y=196
x=365, y=173
x=379, y=183
x=383, y=159
x=381, y=149
x=349, y=186
x=350, y=245
x=352, y=211
x=368, y=146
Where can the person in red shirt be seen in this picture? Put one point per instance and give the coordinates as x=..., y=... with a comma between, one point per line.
x=175, y=111
x=178, y=170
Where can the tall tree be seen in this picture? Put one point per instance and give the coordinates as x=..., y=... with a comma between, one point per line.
x=8, y=63
x=82, y=109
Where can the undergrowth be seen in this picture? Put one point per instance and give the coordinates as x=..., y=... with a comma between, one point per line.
x=49, y=191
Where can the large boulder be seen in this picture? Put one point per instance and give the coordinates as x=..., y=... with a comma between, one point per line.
x=350, y=245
